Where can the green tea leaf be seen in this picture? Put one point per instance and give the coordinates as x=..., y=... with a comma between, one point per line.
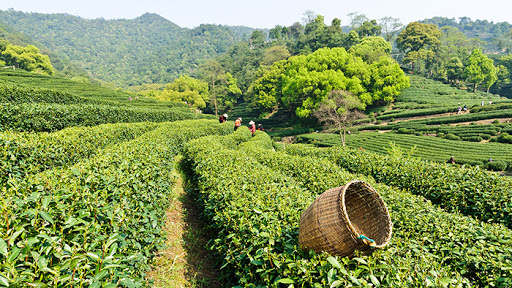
x=46, y=217
x=286, y=281
x=334, y=262
x=3, y=247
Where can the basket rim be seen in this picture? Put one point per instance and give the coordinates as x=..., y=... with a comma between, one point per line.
x=347, y=221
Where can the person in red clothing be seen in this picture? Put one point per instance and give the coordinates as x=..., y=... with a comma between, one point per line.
x=223, y=118
x=252, y=127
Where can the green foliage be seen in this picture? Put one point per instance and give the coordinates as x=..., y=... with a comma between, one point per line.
x=417, y=36
x=98, y=222
x=505, y=138
x=451, y=136
x=27, y=58
x=480, y=69
x=370, y=49
x=255, y=219
x=186, y=89
x=25, y=154
x=301, y=82
x=496, y=165
x=147, y=49
x=470, y=190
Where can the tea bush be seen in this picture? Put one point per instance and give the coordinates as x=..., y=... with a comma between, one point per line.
x=97, y=223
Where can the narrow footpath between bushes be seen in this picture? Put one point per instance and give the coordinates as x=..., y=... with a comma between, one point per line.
x=185, y=261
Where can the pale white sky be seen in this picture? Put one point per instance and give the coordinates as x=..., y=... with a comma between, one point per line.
x=268, y=13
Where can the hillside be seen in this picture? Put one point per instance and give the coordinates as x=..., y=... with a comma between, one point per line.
x=481, y=29
x=147, y=49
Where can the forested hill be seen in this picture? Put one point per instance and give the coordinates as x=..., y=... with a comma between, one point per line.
x=489, y=32
x=147, y=49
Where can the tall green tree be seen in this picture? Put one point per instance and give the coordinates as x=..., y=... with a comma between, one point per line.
x=371, y=48
x=417, y=37
x=455, y=70
x=301, y=82
x=27, y=58
x=186, y=89
x=212, y=72
x=480, y=69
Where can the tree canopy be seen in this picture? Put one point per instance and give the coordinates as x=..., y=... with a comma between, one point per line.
x=27, y=58
x=303, y=81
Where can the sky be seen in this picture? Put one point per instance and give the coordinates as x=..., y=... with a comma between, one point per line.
x=267, y=13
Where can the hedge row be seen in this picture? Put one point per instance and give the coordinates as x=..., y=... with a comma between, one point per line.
x=416, y=112
x=98, y=223
x=15, y=93
x=470, y=190
x=42, y=117
x=23, y=154
x=254, y=198
x=416, y=221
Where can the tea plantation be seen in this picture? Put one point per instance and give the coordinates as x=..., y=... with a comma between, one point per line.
x=83, y=205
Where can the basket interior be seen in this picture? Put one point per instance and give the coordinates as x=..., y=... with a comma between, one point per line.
x=367, y=213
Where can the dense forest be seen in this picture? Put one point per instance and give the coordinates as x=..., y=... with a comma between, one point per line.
x=148, y=49
x=493, y=35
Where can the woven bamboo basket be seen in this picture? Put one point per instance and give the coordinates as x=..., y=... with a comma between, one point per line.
x=344, y=219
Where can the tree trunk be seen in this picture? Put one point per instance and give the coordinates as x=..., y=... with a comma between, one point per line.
x=343, y=136
x=474, y=88
x=488, y=89
x=214, y=97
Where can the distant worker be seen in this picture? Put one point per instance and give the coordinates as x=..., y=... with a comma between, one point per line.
x=451, y=160
x=490, y=159
x=223, y=118
x=238, y=123
x=482, y=103
x=490, y=102
x=252, y=127
x=465, y=108
x=260, y=127
x=459, y=109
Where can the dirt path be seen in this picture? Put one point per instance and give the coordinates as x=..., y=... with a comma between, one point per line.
x=185, y=263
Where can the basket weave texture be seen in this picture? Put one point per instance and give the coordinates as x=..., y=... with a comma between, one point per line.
x=341, y=220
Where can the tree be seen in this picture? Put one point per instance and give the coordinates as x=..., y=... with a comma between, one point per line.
x=480, y=69
x=186, y=89
x=371, y=48
x=417, y=37
x=503, y=76
x=357, y=19
x=302, y=81
x=274, y=54
x=390, y=27
x=369, y=28
x=27, y=58
x=454, y=70
x=211, y=71
x=257, y=39
x=339, y=109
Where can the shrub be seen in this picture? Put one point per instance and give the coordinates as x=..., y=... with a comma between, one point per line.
x=496, y=166
x=378, y=122
x=472, y=138
x=486, y=136
x=451, y=136
x=505, y=138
